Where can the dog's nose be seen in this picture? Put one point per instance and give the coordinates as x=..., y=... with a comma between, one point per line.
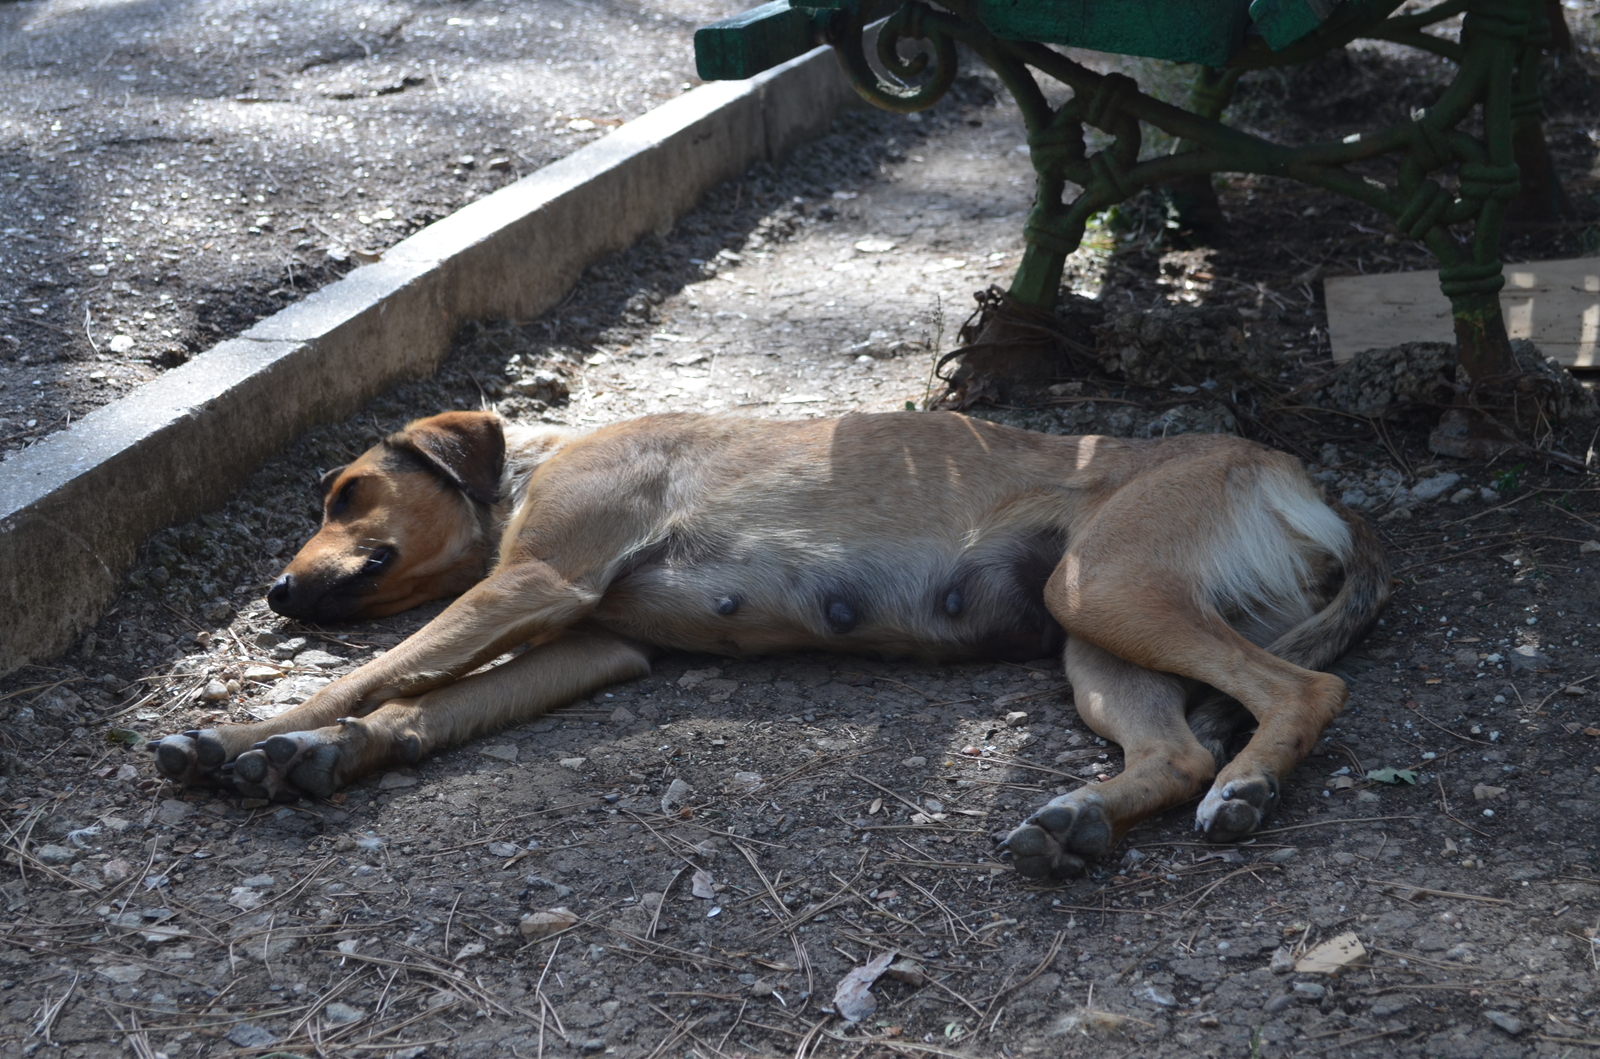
x=279, y=594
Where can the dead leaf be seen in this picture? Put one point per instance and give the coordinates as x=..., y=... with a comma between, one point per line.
x=872, y=810
x=1483, y=792
x=1341, y=783
x=853, y=999
x=1332, y=956
x=1450, y=846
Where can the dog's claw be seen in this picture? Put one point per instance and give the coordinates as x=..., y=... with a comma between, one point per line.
x=196, y=757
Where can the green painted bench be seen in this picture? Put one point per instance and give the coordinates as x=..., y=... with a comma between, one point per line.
x=1452, y=185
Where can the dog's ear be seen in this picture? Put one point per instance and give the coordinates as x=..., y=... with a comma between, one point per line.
x=329, y=477
x=467, y=448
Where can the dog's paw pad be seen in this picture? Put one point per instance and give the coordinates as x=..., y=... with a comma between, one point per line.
x=290, y=766
x=194, y=757
x=1059, y=840
x=1232, y=810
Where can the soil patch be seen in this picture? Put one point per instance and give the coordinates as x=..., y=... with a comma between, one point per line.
x=729, y=839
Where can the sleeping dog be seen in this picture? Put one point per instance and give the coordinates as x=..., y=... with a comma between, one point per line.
x=1179, y=578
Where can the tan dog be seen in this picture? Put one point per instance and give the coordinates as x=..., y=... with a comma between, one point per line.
x=1169, y=568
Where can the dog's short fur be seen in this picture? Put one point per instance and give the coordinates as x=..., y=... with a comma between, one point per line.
x=1183, y=577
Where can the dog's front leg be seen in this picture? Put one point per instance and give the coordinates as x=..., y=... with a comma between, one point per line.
x=320, y=761
x=517, y=603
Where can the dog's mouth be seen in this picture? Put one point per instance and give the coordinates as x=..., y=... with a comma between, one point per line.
x=313, y=599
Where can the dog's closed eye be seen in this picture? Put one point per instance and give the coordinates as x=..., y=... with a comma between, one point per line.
x=342, y=499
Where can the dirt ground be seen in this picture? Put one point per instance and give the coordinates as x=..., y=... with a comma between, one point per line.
x=728, y=839
x=172, y=172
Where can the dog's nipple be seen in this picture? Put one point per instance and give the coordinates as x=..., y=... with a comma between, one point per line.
x=727, y=605
x=952, y=604
x=841, y=616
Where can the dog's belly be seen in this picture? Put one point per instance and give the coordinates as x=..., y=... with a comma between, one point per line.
x=913, y=601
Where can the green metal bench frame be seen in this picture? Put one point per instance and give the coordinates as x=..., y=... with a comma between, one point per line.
x=1447, y=178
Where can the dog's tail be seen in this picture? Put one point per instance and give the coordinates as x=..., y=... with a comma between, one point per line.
x=1314, y=643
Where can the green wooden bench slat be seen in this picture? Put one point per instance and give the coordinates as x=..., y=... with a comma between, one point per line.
x=747, y=44
x=1282, y=22
x=1192, y=31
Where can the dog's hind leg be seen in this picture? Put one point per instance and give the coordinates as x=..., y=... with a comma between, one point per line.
x=1144, y=620
x=1164, y=764
x=320, y=761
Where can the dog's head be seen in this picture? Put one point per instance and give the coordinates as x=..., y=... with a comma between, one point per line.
x=403, y=524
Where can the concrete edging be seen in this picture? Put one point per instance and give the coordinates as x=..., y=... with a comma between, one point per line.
x=75, y=508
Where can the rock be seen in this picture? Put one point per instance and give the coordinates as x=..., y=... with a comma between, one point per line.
x=259, y=882
x=1435, y=487
x=573, y=763
x=1529, y=659
x=244, y=898
x=1510, y=1023
x=622, y=717
x=914, y=762
x=1588, y=547
x=283, y=650
x=542, y=385
x=678, y=793
x=262, y=673
x=502, y=849
x=214, y=691
x=116, y=870
x=908, y=971
x=500, y=751
x=1280, y=1003
x=1385, y=1006
x=695, y=677
x=122, y=974
x=55, y=856
x=1309, y=990
x=339, y=1014
x=744, y=782
x=1157, y=995
x=393, y=781
x=249, y=1035
x=172, y=812
x=536, y=925
x=1282, y=960
x=1017, y=719
x=1280, y=856
x=317, y=658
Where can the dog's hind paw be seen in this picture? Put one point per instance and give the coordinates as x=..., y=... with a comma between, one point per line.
x=1060, y=840
x=1235, y=808
x=290, y=766
x=194, y=758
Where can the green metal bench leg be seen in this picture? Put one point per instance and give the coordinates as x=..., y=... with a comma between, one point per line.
x=1194, y=198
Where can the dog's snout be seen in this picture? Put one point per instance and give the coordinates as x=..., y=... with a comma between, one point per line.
x=281, y=593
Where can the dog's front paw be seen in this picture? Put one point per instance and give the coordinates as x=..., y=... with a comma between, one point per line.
x=1235, y=808
x=1060, y=840
x=197, y=757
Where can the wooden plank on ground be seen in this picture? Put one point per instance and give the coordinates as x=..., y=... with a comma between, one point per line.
x=1555, y=304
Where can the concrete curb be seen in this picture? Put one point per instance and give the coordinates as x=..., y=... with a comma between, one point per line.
x=75, y=508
